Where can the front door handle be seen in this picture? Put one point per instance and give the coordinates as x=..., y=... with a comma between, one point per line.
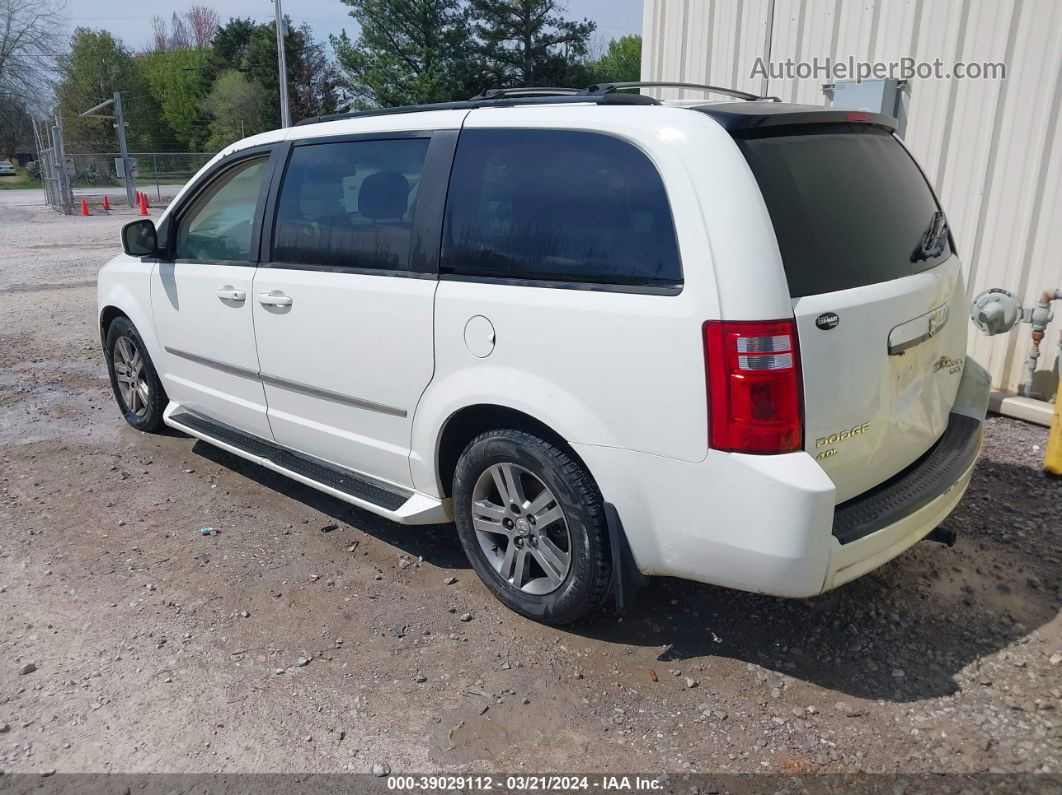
x=274, y=299
x=229, y=294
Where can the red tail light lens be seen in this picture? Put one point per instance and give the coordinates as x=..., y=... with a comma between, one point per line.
x=754, y=386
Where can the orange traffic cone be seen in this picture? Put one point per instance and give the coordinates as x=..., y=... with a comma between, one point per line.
x=146, y=202
x=143, y=205
x=84, y=207
x=106, y=203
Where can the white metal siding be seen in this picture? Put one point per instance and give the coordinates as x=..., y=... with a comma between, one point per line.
x=992, y=148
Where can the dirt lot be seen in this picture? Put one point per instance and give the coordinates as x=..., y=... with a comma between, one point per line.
x=306, y=635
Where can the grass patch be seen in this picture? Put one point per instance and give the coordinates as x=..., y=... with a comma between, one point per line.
x=23, y=182
x=18, y=182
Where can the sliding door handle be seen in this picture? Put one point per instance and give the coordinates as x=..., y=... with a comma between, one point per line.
x=274, y=299
x=229, y=294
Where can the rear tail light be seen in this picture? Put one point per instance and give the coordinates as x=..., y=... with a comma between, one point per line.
x=754, y=386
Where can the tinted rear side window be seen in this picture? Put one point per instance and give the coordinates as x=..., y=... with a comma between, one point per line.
x=556, y=205
x=349, y=204
x=849, y=208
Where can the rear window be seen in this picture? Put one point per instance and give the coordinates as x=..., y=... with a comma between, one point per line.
x=849, y=208
x=558, y=205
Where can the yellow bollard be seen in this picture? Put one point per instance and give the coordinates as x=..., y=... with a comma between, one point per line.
x=1053, y=456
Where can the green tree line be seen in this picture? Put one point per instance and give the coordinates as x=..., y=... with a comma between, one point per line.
x=413, y=51
x=186, y=96
x=203, y=84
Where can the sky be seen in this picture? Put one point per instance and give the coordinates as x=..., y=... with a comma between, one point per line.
x=131, y=21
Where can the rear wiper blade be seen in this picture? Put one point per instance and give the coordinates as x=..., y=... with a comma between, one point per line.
x=933, y=239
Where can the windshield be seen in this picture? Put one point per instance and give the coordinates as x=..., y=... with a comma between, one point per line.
x=849, y=207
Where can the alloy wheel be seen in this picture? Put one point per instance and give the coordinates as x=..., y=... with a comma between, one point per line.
x=521, y=528
x=129, y=372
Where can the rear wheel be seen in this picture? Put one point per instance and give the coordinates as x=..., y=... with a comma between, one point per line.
x=135, y=383
x=531, y=521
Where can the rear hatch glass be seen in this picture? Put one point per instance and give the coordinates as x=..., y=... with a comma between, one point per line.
x=849, y=206
x=877, y=296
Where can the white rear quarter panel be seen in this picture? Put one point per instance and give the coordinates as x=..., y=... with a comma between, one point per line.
x=599, y=367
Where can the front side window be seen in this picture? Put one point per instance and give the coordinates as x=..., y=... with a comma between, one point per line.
x=220, y=222
x=349, y=204
x=558, y=205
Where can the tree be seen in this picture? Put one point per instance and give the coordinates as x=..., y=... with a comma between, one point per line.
x=16, y=129
x=312, y=80
x=203, y=24
x=409, y=52
x=95, y=67
x=235, y=103
x=168, y=36
x=529, y=42
x=622, y=62
x=28, y=45
x=232, y=43
x=194, y=28
x=178, y=81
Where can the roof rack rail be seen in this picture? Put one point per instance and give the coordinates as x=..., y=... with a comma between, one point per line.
x=578, y=95
x=526, y=91
x=608, y=88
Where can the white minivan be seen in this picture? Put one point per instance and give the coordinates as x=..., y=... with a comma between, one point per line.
x=608, y=336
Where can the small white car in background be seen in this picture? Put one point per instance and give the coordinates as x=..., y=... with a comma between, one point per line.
x=7, y=169
x=608, y=336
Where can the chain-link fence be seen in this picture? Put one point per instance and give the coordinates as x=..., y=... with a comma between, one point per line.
x=68, y=176
x=157, y=173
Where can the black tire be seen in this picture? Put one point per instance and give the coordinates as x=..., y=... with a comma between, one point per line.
x=147, y=414
x=589, y=575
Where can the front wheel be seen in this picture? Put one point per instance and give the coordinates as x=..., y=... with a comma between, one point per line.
x=135, y=383
x=532, y=523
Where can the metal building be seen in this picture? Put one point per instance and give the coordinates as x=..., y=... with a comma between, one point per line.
x=991, y=147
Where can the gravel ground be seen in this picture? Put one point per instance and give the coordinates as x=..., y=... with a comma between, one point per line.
x=305, y=635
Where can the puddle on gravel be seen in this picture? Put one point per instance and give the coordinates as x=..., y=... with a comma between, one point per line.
x=37, y=422
x=55, y=399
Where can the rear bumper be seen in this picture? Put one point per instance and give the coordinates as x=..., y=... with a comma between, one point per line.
x=934, y=475
x=769, y=524
x=856, y=558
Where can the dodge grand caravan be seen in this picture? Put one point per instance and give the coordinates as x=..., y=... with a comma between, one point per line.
x=607, y=336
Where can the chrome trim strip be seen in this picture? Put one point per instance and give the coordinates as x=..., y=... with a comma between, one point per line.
x=243, y=372
x=900, y=347
x=935, y=320
x=296, y=386
x=327, y=394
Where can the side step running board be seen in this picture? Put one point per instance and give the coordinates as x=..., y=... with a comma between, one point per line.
x=400, y=505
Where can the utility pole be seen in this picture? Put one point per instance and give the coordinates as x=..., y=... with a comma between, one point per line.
x=130, y=185
x=123, y=150
x=285, y=112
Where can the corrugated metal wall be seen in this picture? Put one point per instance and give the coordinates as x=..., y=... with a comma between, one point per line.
x=993, y=148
